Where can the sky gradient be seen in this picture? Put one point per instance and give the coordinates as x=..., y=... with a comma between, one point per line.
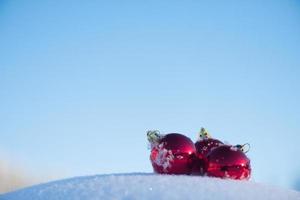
x=81, y=83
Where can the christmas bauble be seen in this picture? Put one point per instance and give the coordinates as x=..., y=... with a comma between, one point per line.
x=228, y=162
x=173, y=153
x=203, y=146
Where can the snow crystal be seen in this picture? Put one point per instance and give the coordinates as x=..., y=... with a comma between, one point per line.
x=213, y=148
x=164, y=157
x=234, y=148
x=179, y=157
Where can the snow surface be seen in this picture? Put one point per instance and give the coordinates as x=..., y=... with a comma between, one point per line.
x=150, y=186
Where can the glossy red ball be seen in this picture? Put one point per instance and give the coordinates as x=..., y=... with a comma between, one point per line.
x=173, y=154
x=203, y=147
x=228, y=162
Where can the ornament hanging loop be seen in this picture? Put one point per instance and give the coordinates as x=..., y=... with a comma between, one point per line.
x=153, y=136
x=244, y=148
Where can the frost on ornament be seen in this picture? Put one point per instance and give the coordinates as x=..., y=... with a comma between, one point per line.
x=163, y=157
x=234, y=148
x=172, y=153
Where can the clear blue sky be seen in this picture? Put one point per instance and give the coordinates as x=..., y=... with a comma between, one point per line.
x=81, y=83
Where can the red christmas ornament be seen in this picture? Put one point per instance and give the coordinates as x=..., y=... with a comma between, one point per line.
x=172, y=153
x=229, y=162
x=204, y=146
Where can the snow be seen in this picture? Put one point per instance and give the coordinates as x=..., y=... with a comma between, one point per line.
x=150, y=186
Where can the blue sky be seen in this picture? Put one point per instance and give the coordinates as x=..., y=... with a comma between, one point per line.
x=81, y=83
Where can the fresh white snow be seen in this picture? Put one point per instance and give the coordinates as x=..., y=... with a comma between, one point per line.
x=151, y=186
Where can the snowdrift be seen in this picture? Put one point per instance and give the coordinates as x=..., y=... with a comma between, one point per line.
x=150, y=186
